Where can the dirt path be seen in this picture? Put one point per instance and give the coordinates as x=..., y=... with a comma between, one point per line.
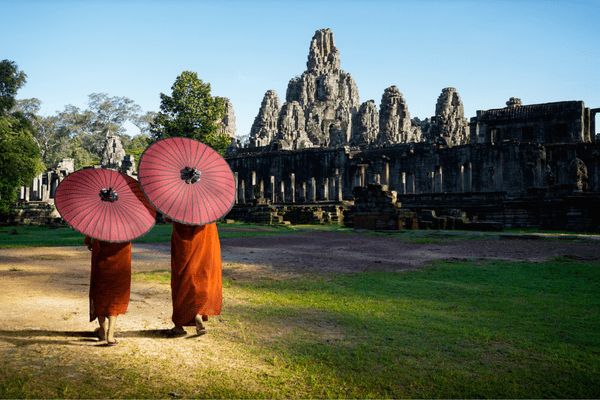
x=44, y=294
x=46, y=287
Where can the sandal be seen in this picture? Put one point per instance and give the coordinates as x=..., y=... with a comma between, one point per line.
x=116, y=342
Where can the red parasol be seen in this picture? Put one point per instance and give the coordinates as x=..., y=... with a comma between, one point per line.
x=187, y=180
x=105, y=205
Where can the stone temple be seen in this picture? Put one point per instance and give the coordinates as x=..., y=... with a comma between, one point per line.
x=312, y=157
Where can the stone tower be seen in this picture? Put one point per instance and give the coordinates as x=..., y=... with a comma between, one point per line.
x=365, y=126
x=449, y=125
x=394, y=119
x=328, y=95
x=227, y=124
x=264, y=128
x=112, y=153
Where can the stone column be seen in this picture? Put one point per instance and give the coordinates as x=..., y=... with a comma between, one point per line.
x=403, y=182
x=431, y=181
x=282, y=192
x=272, y=187
x=339, y=193
x=469, y=178
x=242, y=188
x=313, y=190
x=386, y=174
x=363, y=175
x=325, y=188
x=54, y=185
x=253, y=185
x=304, y=192
x=293, y=187
x=261, y=189
x=235, y=182
x=439, y=184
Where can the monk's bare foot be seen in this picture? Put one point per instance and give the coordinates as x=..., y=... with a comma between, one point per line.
x=177, y=331
x=112, y=342
x=200, y=329
x=99, y=333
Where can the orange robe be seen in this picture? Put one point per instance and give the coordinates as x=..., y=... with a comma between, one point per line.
x=196, y=286
x=110, y=281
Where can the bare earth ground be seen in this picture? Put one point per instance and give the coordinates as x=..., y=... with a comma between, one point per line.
x=44, y=303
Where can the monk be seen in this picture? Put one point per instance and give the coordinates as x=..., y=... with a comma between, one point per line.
x=110, y=285
x=196, y=286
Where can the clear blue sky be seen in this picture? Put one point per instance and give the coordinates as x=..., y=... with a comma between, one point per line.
x=540, y=51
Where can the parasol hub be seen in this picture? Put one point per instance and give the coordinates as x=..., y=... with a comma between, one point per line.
x=190, y=175
x=108, y=195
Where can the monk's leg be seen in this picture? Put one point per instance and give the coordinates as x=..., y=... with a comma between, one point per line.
x=200, y=329
x=101, y=330
x=110, y=335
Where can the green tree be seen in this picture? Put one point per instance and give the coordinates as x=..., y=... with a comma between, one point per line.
x=19, y=153
x=11, y=80
x=191, y=111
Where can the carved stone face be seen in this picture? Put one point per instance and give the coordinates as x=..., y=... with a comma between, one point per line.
x=327, y=88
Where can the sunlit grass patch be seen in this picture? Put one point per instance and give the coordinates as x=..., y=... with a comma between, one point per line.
x=455, y=329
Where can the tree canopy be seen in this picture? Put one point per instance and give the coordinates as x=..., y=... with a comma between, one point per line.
x=80, y=133
x=11, y=80
x=19, y=153
x=191, y=111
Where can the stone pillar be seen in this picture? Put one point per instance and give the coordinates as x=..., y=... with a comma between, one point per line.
x=261, y=189
x=253, y=185
x=237, y=189
x=272, y=188
x=431, y=181
x=403, y=183
x=54, y=185
x=27, y=193
x=242, y=198
x=22, y=193
x=469, y=178
x=293, y=187
x=304, y=192
x=332, y=188
x=35, y=189
x=282, y=192
x=461, y=179
x=438, y=180
x=377, y=179
x=325, y=188
x=386, y=174
x=339, y=193
x=363, y=175
x=313, y=190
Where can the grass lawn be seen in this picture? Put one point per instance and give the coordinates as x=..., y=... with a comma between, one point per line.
x=452, y=330
x=34, y=236
x=464, y=329
x=456, y=329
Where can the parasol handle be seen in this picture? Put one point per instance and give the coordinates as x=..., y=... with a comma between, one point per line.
x=190, y=175
x=108, y=195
